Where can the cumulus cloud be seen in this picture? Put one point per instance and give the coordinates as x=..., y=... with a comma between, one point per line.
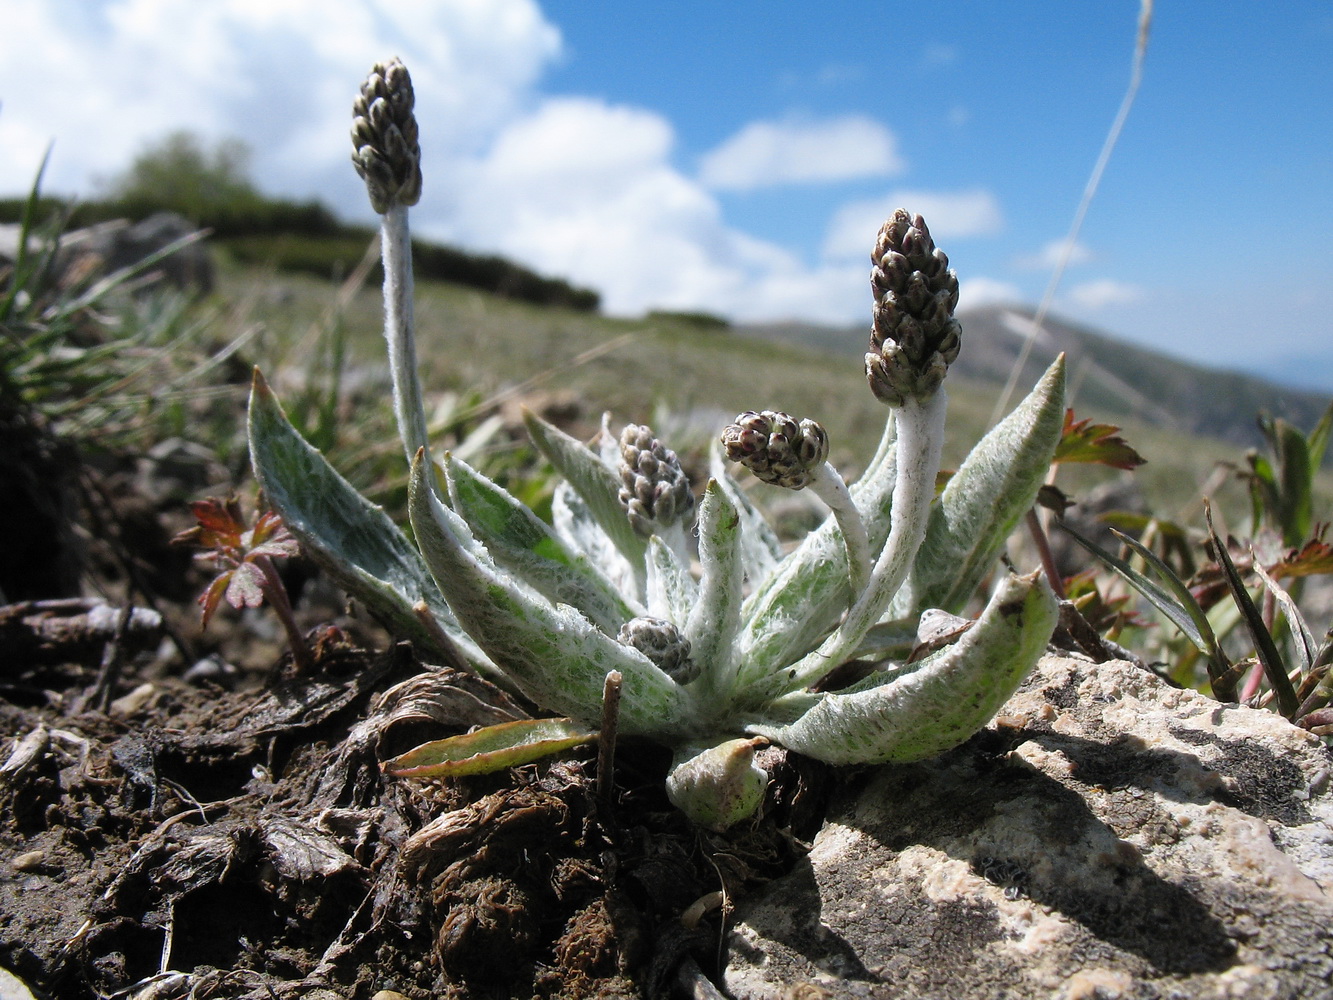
x=950, y=215
x=974, y=292
x=1095, y=295
x=1048, y=257
x=572, y=186
x=102, y=79
x=586, y=189
x=770, y=154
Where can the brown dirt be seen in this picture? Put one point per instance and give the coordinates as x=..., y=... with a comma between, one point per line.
x=218, y=834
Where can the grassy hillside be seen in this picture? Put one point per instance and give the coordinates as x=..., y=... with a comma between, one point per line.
x=1110, y=378
x=474, y=342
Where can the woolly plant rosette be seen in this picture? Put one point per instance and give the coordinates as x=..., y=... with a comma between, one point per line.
x=712, y=666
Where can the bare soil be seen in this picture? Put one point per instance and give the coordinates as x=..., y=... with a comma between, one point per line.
x=173, y=826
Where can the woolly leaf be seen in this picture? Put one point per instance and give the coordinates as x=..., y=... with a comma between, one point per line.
x=932, y=705
x=351, y=538
x=592, y=479
x=551, y=652
x=803, y=598
x=524, y=544
x=760, y=548
x=672, y=591
x=715, y=619
x=994, y=487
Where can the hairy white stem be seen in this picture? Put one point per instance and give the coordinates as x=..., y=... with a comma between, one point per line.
x=829, y=487
x=920, y=440
x=400, y=330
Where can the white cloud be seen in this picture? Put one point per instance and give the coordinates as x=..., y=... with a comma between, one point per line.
x=974, y=292
x=103, y=79
x=851, y=234
x=1048, y=257
x=572, y=186
x=586, y=190
x=769, y=154
x=1095, y=295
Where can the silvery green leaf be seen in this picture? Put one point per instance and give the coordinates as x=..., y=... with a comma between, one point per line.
x=527, y=547
x=574, y=523
x=608, y=443
x=806, y=594
x=715, y=619
x=595, y=481
x=927, y=707
x=551, y=652
x=760, y=548
x=995, y=486
x=672, y=591
x=351, y=538
x=720, y=786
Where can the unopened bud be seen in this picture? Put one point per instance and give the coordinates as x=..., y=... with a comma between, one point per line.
x=653, y=487
x=776, y=448
x=915, y=336
x=386, y=151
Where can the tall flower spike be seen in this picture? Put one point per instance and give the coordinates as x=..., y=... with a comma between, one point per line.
x=777, y=449
x=915, y=336
x=386, y=153
x=654, y=488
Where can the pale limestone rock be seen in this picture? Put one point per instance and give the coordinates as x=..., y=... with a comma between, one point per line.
x=1109, y=837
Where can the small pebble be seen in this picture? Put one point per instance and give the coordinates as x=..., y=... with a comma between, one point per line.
x=137, y=699
x=27, y=861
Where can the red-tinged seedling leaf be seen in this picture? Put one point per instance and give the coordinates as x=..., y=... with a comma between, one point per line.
x=268, y=527
x=210, y=598
x=490, y=749
x=1095, y=444
x=246, y=589
x=222, y=518
x=1315, y=557
x=1107, y=615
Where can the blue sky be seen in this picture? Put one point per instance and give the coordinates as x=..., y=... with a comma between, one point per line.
x=737, y=157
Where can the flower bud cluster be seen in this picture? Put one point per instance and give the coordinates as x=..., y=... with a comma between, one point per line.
x=653, y=487
x=662, y=642
x=776, y=448
x=915, y=336
x=387, y=153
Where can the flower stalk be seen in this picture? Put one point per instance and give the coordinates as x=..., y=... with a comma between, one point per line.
x=387, y=155
x=781, y=452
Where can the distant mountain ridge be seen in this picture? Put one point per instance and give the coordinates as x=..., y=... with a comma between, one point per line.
x=1108, y=376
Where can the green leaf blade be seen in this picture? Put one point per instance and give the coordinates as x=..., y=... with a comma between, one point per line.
x=716, y=617
x=490, y=749
x=593, y=480
x=519, y=540
x=555, y=655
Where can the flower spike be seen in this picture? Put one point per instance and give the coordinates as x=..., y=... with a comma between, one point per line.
x=915, y=337
x=654, y=488
x=386, y=153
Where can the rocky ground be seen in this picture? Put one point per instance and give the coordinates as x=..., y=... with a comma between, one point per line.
x=178, y=824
